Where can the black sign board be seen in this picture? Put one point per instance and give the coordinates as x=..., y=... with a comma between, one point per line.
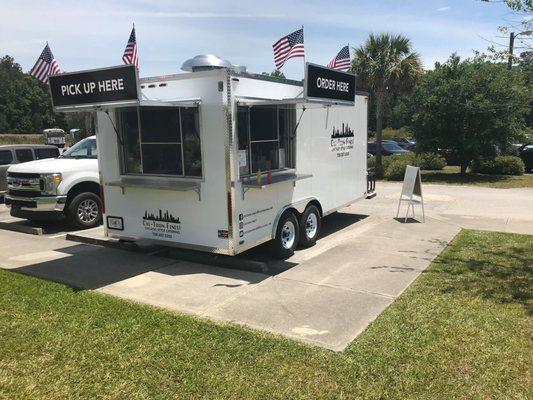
x=325, y=83
x=86, y=89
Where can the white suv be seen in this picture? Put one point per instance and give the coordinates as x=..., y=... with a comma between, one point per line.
x=67, y=185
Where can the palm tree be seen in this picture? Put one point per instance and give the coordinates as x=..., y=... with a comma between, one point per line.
x=385, y=63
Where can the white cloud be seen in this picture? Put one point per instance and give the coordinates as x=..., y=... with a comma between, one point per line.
x=443, y=9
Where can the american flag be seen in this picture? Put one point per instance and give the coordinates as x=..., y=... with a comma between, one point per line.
x=130, y=53
x=46, y=65
x=290, y=46
x=341, y=60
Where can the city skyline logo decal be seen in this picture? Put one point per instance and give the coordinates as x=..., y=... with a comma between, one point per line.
x=342, y=140
x=344, y=132
x=166, y=217
x=162, y=225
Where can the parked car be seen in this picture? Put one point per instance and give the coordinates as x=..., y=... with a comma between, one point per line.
x=526, y=154
x=388, y=148
x=11, y=154
x=406, y=144
x=64, y=186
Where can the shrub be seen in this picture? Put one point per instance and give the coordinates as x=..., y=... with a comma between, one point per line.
x=395, y=169
x=501, y=165
x=430, y=161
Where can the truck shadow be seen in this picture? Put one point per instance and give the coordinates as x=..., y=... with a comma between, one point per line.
x=48, y=227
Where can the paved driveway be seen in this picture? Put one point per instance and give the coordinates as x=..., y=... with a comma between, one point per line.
x=331, y=291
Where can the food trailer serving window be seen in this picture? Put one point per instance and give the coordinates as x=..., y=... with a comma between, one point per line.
x=265, y=138
x=161, y=141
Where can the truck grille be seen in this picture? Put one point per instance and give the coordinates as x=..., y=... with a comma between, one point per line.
x=22, y=175
x=23, y=182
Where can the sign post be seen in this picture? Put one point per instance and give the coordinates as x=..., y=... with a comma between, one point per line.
x=323, y=83
x=87, y=90
x=412, y=186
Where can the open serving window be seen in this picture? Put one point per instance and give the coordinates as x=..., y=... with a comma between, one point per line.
x=265, y=135
x=161, y=140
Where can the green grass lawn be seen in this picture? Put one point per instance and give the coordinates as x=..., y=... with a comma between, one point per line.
x=450, y=175
x=462, y=330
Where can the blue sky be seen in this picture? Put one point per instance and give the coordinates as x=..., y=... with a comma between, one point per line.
x=92, y=34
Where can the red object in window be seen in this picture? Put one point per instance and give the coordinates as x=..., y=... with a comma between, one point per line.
x=269, y=174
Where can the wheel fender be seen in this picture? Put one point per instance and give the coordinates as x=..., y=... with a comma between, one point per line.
x=80, y=178
x=298, y=206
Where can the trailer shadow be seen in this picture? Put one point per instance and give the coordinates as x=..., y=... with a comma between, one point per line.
x=330, y=224
x=89, y=267
x=85, y=266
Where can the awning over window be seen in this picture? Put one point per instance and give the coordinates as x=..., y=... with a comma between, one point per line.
x=251, y=101
x=193, y=102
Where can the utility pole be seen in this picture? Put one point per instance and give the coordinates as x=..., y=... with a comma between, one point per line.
x=511, y=47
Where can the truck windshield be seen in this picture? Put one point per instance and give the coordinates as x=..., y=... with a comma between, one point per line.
x=84, y=149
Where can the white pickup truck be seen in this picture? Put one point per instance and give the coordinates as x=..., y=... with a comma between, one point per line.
x=55, y=187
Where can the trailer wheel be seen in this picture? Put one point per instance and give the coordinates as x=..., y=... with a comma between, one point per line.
x=287, y=234
x=85, y=210
x=309, y=226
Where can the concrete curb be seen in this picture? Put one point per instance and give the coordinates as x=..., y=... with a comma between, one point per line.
x=21, y=228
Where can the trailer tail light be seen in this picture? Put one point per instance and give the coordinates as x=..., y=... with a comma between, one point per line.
x=101, y=190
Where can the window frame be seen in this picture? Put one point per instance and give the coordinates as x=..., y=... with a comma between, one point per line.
x=182, y=176
x=23, y=149
x=12, y=156
x=292, y=146
x=37, y=150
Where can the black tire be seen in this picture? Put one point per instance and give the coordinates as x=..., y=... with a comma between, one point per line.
x=85, y=211
x=310, y=224
x=286, y=238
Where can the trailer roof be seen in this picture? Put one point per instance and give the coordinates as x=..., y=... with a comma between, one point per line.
x=198, y=74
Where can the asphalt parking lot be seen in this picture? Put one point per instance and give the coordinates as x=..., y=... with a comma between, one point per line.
x=325, y=295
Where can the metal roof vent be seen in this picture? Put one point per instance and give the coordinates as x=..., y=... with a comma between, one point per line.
x=205, y=62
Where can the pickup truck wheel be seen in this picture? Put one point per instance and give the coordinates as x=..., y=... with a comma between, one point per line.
x=287, y=234
x=309, y=226
x=85, y=211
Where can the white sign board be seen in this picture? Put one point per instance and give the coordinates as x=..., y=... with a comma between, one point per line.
x=412, y=186
x=412, y=183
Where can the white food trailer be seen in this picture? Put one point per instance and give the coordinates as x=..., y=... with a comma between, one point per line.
x=221, y=160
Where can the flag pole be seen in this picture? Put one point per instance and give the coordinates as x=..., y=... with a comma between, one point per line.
x=303, y=41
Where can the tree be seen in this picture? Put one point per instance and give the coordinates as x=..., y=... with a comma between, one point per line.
x=519, y=30
x=385, y=64
x=275, y=74
x=469, y=107
x=25, y=104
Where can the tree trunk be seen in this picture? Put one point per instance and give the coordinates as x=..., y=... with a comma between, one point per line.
x=380, y=100
x=89, y=128
x=464, y=166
